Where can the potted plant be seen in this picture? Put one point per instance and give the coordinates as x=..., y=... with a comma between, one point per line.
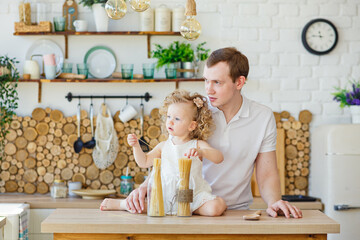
x=100, y=17
x=350, y=98
x=186, y=57
x=201, y=54
x=9, y=96
x=168, y=58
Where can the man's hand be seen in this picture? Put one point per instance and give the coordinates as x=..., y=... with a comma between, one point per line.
x=283, y=208
x=135, y=202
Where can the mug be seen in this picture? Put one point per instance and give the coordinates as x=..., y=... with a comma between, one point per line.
x=74, y=186
x=49, y=59
x=50, y=72
x=80, y=25
x=32, y=67
x=127, y=113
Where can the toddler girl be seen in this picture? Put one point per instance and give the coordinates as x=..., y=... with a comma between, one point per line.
x=189, y=123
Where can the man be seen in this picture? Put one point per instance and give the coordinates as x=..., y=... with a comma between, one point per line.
x=246, y=135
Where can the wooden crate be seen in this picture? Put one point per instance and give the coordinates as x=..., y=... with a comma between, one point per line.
x=21, y=27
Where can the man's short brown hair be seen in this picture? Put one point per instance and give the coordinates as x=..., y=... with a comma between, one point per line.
x=238, y=62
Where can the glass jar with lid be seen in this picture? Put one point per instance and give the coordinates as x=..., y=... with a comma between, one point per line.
x=58, y=189
x=126, y=185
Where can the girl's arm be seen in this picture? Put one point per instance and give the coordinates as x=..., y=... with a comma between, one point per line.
x=204, y=150
x=142, y=159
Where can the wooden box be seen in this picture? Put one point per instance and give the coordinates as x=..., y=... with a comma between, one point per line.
x=21, y=27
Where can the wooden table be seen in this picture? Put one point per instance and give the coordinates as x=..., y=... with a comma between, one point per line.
x=81, y=224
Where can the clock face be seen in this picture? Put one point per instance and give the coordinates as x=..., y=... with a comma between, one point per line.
x=319, y=36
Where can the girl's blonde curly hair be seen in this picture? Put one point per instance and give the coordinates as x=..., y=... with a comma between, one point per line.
x=201, y=114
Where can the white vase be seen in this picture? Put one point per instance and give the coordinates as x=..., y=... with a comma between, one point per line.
x=355, y=113
x=100, y=17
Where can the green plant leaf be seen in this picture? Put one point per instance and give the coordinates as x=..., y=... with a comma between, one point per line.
x=9, y=97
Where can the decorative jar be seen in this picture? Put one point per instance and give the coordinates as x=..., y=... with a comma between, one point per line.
x=126, y=185
x=58, y=189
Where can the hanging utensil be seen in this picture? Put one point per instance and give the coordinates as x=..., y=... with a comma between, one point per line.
x=91, y=144
x=143, y=144
x=78, y=144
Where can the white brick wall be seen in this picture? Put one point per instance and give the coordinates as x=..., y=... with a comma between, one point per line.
x=283, y=75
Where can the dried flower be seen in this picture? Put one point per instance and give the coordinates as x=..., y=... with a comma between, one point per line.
x=348, y=97
x=198, y=102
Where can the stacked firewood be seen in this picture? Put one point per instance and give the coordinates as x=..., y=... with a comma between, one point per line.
x=39, y=149
x=297, y=150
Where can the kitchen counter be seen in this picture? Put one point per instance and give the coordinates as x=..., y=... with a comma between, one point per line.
x=94, y=224
x=45, y=201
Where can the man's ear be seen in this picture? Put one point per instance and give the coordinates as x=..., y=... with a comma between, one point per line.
x=240, y=82
x=192, y=126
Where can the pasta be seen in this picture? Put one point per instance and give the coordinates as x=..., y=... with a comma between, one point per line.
x=184, y=201
x=156, y=206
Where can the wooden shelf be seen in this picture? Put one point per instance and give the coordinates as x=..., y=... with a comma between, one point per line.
x=99, y=33
x=108, y=80
x=122, y=33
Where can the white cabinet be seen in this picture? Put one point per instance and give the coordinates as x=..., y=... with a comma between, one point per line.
x=36, y=217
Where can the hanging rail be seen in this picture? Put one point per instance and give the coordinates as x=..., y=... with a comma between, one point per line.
x=70, y=97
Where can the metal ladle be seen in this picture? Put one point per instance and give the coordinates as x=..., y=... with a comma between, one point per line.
x=78, y=144
x=91, y=144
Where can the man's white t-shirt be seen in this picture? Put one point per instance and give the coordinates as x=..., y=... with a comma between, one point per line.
x=251, y=131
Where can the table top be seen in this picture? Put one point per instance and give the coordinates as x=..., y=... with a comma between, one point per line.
x=45, y=201
x=96, y=221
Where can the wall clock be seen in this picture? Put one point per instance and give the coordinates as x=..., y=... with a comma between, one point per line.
x=319, y=36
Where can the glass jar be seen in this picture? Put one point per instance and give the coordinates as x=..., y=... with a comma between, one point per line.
x=126, y=185
x=58, y=189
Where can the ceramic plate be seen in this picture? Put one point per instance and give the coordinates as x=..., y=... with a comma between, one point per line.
x=42, y=47
x=101, y=61
x=93, y=194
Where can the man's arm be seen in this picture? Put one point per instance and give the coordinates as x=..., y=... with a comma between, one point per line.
x=135, y=202
x=268, y=180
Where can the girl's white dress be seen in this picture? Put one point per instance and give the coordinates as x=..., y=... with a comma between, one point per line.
x=170, y=176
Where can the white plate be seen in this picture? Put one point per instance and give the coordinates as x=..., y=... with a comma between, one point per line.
x=93, y=194
x=42, y=47
x=101, y=61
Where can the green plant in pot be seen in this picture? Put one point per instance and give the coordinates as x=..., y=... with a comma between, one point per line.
x=201, y=54
x=168, y=58
x=350, y=98
x=9, y=77
x=100, y=15
x=186, y=56
x=89, y=3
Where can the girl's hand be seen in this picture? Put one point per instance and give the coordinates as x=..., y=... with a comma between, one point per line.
x=132, y=140
x=194, y=152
